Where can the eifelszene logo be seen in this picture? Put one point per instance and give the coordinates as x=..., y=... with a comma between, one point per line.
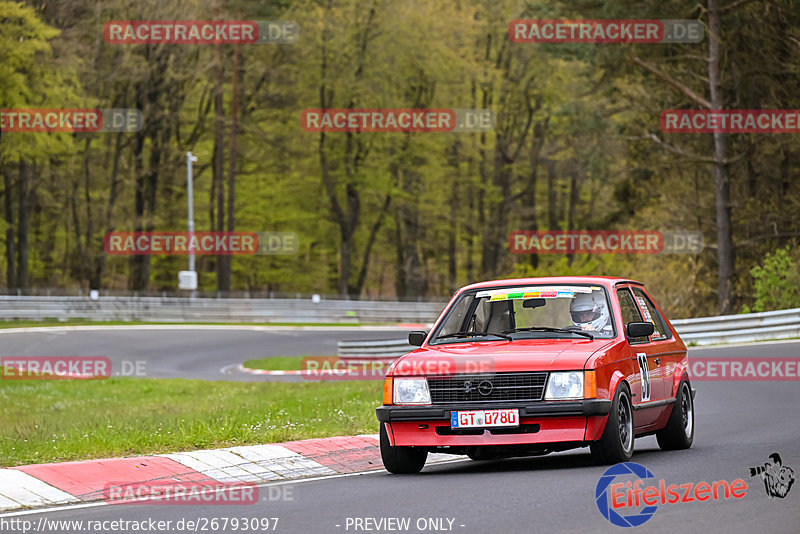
x=629, y=503
x=778, y=478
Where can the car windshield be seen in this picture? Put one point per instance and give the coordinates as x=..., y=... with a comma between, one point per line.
x=534, y=311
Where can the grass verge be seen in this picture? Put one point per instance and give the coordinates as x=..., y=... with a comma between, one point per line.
x=49, y=421
x=277, y=363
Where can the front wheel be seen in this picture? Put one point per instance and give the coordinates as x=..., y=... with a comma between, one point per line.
x=401, y=460
x=679, y=431
x=616, y=443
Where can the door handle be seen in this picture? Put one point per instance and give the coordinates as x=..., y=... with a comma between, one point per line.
x=658, y=361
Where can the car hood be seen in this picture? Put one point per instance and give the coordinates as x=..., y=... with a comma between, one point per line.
x=499, y=356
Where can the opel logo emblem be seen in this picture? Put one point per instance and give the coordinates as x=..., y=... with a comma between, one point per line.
x=485, y=388
x=467, y=386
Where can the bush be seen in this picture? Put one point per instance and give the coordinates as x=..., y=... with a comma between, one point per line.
x=777, y=281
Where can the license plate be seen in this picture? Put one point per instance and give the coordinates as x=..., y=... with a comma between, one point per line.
x=482, y=418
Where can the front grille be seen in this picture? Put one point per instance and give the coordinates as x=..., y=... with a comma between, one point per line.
x=488, y=387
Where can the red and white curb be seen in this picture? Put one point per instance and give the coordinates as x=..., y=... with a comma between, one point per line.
x=41, y=485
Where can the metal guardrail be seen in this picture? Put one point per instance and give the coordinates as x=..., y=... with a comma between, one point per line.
x=175, y=309
x=762, y=326
x=781, y=324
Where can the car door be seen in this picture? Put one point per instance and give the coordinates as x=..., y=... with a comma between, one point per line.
x=645, y=388
x=663, y=342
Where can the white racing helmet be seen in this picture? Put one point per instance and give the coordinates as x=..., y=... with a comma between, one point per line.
x=589, y=309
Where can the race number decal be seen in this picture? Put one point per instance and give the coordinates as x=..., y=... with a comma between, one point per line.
x=645, y=309
x=641, y=357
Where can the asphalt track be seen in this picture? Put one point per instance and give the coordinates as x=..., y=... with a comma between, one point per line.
x=738, y=425
x=202, y=352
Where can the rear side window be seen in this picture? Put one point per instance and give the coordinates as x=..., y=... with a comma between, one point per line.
x=651, y=315
x=630, y=313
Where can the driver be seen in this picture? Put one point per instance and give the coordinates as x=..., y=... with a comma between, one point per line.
x=589, y=311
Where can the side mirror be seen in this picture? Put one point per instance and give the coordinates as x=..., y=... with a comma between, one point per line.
x=640, y=329
x=417, y=337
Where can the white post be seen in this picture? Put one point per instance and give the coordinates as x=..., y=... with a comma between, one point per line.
x=188, y=279
x=190, y=199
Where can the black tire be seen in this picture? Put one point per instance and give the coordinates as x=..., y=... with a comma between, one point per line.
x=679, y=432
x=616, y=443
x=401, y=460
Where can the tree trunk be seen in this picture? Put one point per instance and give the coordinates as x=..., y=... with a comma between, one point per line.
x=722, y=190
x=136, y=279
x=552, y=196
x=453, y=158
x=529, y=213
x=11, y=278
x=497, y=229
x=223, y=270
x=373, y=234
x=346, y=217
x=573, y=202
x=86, y=260
x=452, y=237
x=97, y=276
x=236, y=96
x=23, y=218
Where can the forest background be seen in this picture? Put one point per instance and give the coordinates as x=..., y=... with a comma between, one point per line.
x=577, y=145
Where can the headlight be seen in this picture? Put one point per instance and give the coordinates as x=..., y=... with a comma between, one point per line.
x=411, y=391
x=564, y=385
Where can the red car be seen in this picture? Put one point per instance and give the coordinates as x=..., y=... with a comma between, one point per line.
x=531, y=366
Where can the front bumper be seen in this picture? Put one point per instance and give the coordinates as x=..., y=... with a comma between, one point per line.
x=585, y=408
x=540, y=422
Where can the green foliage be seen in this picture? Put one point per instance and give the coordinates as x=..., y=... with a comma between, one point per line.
x=577, y=144
x=777, y=281
x=31, y=77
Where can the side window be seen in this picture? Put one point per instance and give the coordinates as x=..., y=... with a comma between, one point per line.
x=480, y=317
x=630, y=313
x=456, y=318
x=651, y=314
x=500, y=316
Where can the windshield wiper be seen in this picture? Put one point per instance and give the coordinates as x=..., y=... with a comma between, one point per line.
x=470, y=334
x=548, y=329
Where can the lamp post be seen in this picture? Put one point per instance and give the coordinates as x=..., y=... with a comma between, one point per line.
x=188, y=279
